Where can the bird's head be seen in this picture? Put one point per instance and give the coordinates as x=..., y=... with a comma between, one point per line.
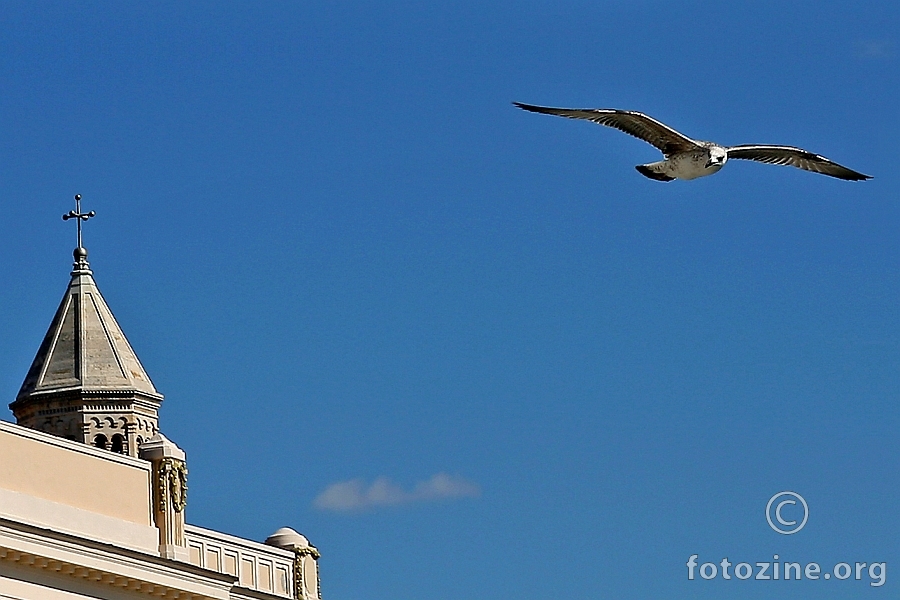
x=717, y=157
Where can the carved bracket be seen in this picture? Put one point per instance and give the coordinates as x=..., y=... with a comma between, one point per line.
x=172, y=484
x=299, y=584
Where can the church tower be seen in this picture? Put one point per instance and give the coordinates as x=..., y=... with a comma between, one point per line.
x=86, y=383
x=59, y=537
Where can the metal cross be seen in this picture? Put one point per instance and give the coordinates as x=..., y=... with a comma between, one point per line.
x=77, y=214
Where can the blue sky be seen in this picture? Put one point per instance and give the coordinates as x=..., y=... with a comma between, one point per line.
x=347, y=260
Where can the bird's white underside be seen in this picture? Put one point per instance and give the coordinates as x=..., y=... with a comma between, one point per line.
x=687, y=165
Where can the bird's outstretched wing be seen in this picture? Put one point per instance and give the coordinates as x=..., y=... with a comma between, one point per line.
x=633, y=123
x=795, y=157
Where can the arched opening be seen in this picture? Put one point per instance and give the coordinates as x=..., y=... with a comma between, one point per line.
x=100, y=441
x=139, y=441
x=118, y=444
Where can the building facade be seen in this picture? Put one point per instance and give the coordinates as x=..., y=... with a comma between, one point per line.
x=93, y=495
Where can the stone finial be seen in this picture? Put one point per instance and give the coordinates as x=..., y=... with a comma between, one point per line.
x=80, y=254
x=169, y=494
x=288, y=539
x=306, y=562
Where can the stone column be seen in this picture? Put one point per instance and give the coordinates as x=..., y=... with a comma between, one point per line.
x=131, y=440
x=169, y=494
x=306, y=562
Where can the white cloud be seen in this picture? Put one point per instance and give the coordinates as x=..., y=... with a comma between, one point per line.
x=355, y=495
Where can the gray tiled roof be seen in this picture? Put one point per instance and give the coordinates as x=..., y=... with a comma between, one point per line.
x=85, y=347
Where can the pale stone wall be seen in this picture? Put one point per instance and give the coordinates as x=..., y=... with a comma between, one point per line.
x=74, y=474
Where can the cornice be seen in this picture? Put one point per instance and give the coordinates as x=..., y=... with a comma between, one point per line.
x=106, y=564
x=79, y=392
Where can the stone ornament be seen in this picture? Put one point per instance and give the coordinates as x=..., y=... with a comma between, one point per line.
x=173, y=475
x=306, y=562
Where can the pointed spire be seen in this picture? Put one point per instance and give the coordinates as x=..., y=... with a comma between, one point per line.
x=85, y=347
x=86, y=382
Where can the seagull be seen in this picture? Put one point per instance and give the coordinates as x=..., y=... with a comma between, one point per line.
x=690, y=159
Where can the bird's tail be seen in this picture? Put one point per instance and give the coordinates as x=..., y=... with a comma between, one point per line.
x=652, y=171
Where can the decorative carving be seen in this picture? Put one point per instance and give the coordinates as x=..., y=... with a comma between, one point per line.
x=318, y=583
x=178, y=485
x=311, y=550
x=299, y=554
x=298, y=575
x=172, y=484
